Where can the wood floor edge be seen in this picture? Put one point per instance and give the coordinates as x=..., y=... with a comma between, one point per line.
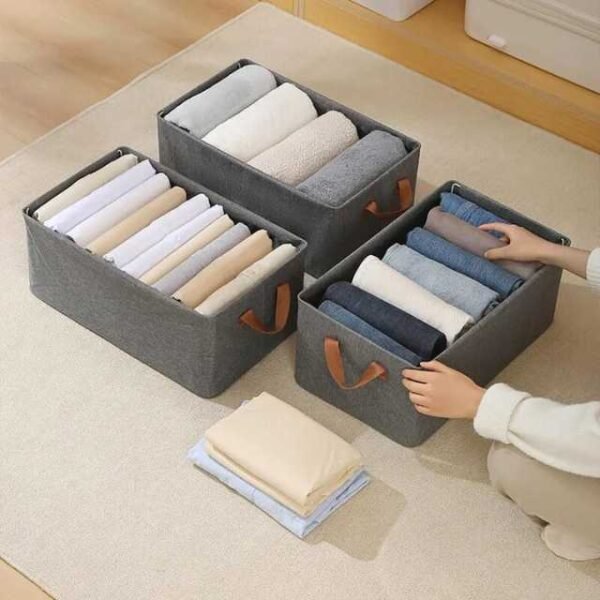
x=547, y=111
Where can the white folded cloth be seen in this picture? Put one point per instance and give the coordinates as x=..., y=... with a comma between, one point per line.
x=263, y=124
x=182, y=273
x=381, y=280
x=204, y=111
x=307, y=149
x=157, y=230
x=171, y=242
x=100, y=222
x=246, y=280
x=83, y=186
x=82, y=209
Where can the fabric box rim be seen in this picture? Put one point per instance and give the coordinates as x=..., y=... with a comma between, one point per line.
x=133, y=282
x=415, y=145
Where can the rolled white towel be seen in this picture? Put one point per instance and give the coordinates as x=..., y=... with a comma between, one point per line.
x=157, y=230
x=204, y=111
x=94, y=226
x=246, y=280
x=307, y=149
x=82, y=209
x=83, y=186
x=171, y=242
x=381, y=280
x=263, y=124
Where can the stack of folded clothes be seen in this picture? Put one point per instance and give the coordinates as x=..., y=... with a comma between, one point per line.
x=422, y=295
x=132, y=216
x=282, y=461
x=276, y=129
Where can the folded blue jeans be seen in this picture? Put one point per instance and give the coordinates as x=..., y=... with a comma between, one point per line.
x=480, y=269
x=469, y=211
x=412, y=333
x=455, y=288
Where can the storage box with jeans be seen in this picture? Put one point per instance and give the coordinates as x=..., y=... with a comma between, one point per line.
x=350, y=372
x=203, y=354
x=331, y=232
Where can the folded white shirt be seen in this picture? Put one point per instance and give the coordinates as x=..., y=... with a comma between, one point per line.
x=99, y=223
x=171, y=242
x=157, y=230
x=82, y=209
x=84, y=185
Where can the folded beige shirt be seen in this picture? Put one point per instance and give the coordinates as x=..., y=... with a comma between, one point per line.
x=137, y=221
x=246, y=280
x=282, y=452
x=84, y=186
x=224, y=269
x=201, y=239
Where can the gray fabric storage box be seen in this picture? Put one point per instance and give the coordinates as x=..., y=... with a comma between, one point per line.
x=203, y=354
x=481, y=353
x=331, y=232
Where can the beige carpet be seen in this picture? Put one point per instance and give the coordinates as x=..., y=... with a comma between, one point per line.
x=97, y=499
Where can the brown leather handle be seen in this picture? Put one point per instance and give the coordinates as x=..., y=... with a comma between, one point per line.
x=335, y=364
x=283, y=304
x=405, y=197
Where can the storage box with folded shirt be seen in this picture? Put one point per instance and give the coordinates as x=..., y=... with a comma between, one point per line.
x=188, y=282
x=421, y=289
x=317, y=168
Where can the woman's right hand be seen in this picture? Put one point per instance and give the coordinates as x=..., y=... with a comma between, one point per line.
x=522, y=245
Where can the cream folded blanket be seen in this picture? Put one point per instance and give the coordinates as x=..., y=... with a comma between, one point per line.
x=82, y=209
x=191, y=266
x=381, y=280
x=137, y=221
x=282, y=452
x=306, y=150
x=201, y=239
x=157, y=230
x=153, y=255
x=82, y=187
x=263, y=124
x=94, y=226
x=246, y=280
x=204, y=111
x=224, y=269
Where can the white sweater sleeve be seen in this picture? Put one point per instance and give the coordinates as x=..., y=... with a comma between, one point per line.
x=566, y=437
x=593, y=269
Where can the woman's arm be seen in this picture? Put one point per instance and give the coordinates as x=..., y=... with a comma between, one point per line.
x=566, y=437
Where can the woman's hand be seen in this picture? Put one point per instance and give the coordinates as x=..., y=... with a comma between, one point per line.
x=521, y=244
x=440, y=391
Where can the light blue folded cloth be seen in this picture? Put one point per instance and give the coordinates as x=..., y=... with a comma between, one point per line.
x=299, y=526
x=480, y=269
x=455, y=288
x=469, y=211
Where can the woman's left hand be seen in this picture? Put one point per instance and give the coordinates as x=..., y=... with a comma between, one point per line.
x=440, y=391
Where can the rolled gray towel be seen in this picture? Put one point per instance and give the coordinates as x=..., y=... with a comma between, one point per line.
x=204, y=111
x=354, y=168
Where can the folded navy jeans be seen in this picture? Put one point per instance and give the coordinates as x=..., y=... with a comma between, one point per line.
x=412, y=333
x=345, y=317
x=455, y=288
x=480, y=269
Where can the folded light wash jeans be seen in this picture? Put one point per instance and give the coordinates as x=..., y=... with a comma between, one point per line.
x=468, y=211
x=480, y=269
x=455, y=288
x=345, y=317
x=412, y=333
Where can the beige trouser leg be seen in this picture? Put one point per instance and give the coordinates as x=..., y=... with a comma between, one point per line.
x=568, y=504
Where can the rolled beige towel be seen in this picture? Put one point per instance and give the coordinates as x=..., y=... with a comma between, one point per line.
x=246, y=280
x=201, y=239
x=224, y=269
x=305, y=151
x=263, y=124
x=137, y=221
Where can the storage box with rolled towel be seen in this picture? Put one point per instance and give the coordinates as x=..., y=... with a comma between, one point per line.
x=344, y=364
x=366, y=172
x=189, y=347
